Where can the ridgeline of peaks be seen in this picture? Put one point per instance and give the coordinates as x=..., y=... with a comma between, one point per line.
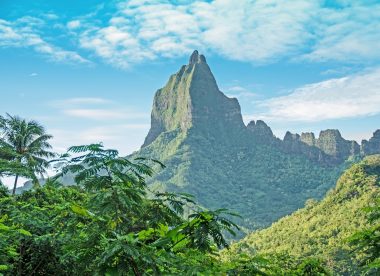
x=330, y=146
x=192, y=100
x=199, y=134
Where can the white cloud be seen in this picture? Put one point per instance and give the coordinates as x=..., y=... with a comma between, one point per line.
x=24, y=32
x=79, y=101
x=142, y=30
x=348, y=34
x=51, y=16
x=124, y=137
x=103, y=114
x=114, y=133
x=94, y=108
x=351, y=96
x=259, y=31
x=239, y=92
x=74, y=24
x=33, y=75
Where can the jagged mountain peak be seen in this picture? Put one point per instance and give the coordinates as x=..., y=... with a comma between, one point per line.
x=191, y=99
x=261, y=131
x=371, y=146
x=197, y=58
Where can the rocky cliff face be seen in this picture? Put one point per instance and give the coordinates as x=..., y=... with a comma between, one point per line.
x=261, y=132
x=331, y=142
x=330, y=147
x=191, y=99
x=372, y=146
x=305, y=144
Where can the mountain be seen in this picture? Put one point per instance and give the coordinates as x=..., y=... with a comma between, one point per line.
x=372, y=146
x=330, y=147
x=199, y=134
x=191, y=99
x=321, y=229
x=209, y=152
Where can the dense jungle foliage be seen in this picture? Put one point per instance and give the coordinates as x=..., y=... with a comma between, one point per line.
x=324, y=229
x=111, y=222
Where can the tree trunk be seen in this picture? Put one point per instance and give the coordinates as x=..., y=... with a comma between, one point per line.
x=15, y=185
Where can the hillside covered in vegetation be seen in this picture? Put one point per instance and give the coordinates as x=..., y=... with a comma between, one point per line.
x=323, y=229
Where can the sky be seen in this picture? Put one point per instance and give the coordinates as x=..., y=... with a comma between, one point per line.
x=88, y=70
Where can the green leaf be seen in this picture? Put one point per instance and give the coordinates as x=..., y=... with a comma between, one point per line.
x=79, y=210
x=4, y=227
x=24, y=232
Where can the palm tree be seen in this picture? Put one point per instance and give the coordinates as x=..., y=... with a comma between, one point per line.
x=24, y=143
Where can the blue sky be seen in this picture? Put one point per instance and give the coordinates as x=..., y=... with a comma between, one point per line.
x=88, y=70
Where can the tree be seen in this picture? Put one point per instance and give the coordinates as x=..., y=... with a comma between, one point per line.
x=24, y=147
x=126, y=229
x=367, y=241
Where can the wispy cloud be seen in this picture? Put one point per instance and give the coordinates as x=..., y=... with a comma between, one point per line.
x=99, y=109
x=97, y=119
x=262, y=31
x=124, y=137
x=113, y=133
x=24, y=32
x=74, y=24
x=349, y=33
x=239, y=92
x=103, y=114
x=351, y=96
x=79, y=101
x=255, y=31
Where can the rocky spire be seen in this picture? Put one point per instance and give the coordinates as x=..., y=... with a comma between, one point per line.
x=332, y=143
x=191, y=99
x=197, y=58
x=372, y=146
x=261, y=131
x=308, y=138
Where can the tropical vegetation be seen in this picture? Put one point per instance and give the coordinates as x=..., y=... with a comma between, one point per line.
x=24, y=148
x=342, y=230
x=111, y=222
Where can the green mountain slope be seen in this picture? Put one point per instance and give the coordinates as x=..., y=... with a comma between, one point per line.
x=199, y=134
x=321, y=229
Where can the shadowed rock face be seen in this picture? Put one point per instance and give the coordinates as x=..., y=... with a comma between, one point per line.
x=372, y=146
x=330, y=147
x=331, y=142
x=261, y=131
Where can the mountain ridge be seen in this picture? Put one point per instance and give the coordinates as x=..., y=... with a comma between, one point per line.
x=199, y=134
x=174, y=108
